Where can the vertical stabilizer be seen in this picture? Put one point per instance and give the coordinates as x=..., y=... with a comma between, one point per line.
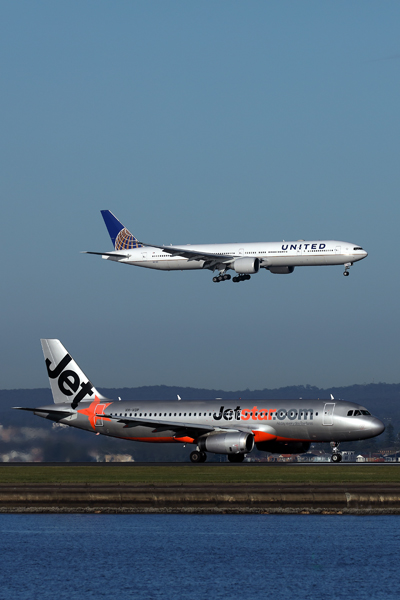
x=121, y=237
x=67, y=381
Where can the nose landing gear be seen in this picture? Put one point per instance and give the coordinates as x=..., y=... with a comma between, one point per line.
x=346, y=269
x=336, y=456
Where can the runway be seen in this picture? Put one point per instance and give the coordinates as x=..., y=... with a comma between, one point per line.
x=227, y=465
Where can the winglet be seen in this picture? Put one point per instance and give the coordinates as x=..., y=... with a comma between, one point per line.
x=121, y=237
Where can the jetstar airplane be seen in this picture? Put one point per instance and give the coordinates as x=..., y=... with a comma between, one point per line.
x=231, y=427
x=244, y=259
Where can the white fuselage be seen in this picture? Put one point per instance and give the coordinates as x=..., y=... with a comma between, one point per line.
x=271, y=254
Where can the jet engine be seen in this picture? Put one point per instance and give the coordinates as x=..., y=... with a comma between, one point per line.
x=281, y=270
x=227, y=443
x=283, y=448
x=246, y=265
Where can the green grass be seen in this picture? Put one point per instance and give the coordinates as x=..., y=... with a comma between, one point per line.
x=202, y=474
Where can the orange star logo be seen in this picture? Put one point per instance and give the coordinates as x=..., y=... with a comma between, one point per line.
x=95, y=411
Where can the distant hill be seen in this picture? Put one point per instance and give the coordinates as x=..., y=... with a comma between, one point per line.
x=23, y=432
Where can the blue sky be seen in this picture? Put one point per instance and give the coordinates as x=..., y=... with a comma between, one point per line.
x=199, y=122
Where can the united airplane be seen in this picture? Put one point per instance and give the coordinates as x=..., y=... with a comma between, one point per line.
x=231, y=427
x=244, y=259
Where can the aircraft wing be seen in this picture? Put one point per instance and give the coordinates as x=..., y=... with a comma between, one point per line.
x=193, y=254
x=208, y=257
x=159, y=425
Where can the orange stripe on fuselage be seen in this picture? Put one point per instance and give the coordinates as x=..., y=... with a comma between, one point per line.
x=262, y=436
x=162, y=440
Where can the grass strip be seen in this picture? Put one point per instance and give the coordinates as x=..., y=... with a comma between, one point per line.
x=201, y=474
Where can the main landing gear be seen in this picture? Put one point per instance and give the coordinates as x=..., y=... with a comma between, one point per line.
x=225, y=277
x=222, y=277
x=346, y=269
x=198, y=457
x=336, y=456
x=241, y=278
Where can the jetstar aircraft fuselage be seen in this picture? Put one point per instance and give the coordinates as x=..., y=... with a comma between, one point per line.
x=243, y=258
x=223, y=427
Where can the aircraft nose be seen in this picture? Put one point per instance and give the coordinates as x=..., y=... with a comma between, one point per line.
x=376, y=426
x=365, y=254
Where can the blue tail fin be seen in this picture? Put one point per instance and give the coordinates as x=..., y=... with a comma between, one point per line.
x=121, y=237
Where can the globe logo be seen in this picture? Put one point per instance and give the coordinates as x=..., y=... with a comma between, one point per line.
x=125, y=240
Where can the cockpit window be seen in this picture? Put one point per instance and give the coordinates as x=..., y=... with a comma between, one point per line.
x=358, y=413
x=357, y=248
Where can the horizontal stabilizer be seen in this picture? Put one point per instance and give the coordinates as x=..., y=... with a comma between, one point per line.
x=113, y=254
x=63, y=413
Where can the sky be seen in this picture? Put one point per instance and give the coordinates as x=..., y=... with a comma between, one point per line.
x=199, y=122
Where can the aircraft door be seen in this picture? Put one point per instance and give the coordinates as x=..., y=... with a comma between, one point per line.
x=241, y=251
x=99, y=415
x=144, y=255
x=338, y=250
x=327, y=416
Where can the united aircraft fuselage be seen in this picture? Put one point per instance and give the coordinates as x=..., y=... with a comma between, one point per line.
x=269, y=254
x=243, y=258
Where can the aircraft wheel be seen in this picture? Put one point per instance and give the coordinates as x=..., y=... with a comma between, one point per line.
x=346, y=273
x=236, y=458
x=336, y=457
x=195, y=457
x=227, y=277
x=235, y=279
x=203, y=456
x=247, y=277
x=215, y=279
